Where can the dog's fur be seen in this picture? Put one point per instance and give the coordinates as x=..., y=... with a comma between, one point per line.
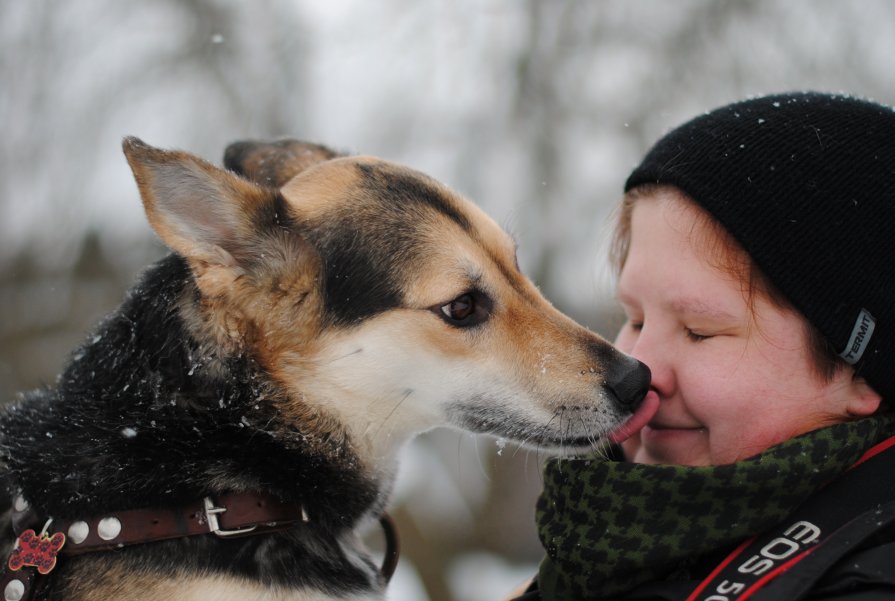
x=316, y=312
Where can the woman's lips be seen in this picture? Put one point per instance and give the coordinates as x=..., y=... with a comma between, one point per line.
x=668, y=434
x=644, y=414
x=658, y=425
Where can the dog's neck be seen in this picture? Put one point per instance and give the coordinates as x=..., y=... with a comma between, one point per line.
x=136, y=421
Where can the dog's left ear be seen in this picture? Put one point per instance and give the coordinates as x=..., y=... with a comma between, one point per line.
x=274, y=163
x=201, y=212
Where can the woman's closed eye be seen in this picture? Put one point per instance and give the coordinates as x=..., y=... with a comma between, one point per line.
x=634, y=324
x=696, y=336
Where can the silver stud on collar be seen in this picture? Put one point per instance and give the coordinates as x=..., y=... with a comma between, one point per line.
x=20, y=504
x=108, y=528
x=14, y=591
x=78, y=531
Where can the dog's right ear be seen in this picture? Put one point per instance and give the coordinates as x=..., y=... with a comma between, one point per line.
x=201, y=212
x=274, y=163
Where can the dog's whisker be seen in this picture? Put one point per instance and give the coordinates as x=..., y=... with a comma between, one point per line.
x=459, y=462
x=595, y=441
x=345, y=356
x=562, y=437
x=541, y=434
x=403, y=398
x=479, y=460
x=587, y=433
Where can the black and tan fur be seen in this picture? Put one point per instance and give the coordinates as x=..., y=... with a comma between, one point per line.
x=316, y=312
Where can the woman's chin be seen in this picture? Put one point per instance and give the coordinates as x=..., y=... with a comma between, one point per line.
x=671, y=446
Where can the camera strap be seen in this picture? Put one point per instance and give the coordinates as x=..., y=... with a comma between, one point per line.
x=828, y=526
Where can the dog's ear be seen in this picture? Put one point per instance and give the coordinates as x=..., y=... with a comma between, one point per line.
x=274, y=163
x=203, y=213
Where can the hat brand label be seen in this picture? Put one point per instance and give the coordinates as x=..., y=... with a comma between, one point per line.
x=860, y=337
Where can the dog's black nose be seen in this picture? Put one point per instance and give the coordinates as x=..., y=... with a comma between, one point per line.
x=629, y=380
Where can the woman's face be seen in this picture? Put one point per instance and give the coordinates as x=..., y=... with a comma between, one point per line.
x=732, y=380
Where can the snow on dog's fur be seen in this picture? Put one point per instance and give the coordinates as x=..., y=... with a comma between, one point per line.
x=317, y=311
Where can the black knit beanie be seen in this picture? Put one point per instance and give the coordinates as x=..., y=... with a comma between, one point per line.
x=806, y=183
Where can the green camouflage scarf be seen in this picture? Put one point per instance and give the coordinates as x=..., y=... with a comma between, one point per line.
x=609, y=526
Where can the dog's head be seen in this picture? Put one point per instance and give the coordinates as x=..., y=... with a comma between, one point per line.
x=378, y=299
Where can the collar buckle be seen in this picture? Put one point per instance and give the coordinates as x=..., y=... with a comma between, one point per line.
x=214, y=525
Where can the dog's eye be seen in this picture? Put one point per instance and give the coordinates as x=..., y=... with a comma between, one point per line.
x=466, y=310
x=459, y=309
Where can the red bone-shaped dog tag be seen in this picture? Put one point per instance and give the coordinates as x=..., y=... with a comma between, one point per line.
x=37, y=552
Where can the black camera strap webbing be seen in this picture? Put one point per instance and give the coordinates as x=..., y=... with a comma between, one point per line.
x=826, y=527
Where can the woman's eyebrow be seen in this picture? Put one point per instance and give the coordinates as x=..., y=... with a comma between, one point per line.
x=696, y=306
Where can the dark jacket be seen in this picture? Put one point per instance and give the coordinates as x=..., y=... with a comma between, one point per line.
x=855, y=562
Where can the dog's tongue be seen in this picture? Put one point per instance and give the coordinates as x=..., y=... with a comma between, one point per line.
x=641, y=417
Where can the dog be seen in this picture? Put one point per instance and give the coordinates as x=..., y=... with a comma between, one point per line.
x=316, y=312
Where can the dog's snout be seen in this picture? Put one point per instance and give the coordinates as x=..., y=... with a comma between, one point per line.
x=629, y=380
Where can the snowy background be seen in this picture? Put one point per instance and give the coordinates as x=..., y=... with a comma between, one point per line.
x=535, y=109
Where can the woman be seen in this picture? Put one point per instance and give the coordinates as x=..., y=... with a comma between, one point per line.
x=756, y=258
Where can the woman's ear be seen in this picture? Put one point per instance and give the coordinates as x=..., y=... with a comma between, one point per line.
x=864, y=400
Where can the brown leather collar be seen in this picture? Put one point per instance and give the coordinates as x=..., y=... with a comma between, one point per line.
x=228, y=515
